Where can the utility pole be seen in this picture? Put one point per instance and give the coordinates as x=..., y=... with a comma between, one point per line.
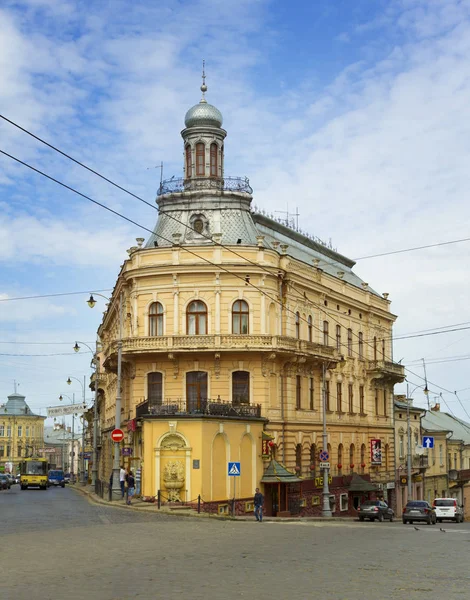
x=94, y=470
x=116, y=490
x=408, y=444
x=326, y=511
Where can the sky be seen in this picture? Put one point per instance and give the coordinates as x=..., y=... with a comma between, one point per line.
x=356, y=114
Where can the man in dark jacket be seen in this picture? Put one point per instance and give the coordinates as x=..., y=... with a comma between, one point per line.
x=258, y=501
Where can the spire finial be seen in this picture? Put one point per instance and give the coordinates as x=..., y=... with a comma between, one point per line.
x=203, y=86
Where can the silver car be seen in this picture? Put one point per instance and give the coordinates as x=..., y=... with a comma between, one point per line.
x=375, y=510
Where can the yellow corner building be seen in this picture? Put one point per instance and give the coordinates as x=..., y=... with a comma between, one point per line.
x=236, y=323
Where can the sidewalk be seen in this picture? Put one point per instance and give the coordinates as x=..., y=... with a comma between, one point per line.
x=186, y=511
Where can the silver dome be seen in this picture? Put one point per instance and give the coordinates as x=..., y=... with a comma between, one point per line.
x=203, y=115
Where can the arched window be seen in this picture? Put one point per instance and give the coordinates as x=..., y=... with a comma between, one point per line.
x=297, y=325
x=363, y=458
x=240, y=387
x=338, y=338
x=188, y=162
x=200, y=160
x=351, y=457
x=298, y=459
x=156, y=319
x=240, y=313
x=340, y=458
x=214, y=151
x=386, y=456
x=154, y=390
x=326, y=327
x=196, y=391
x=375, y=348
x=313, y=460
x=310, y=328
x=196, y=318
x=350, y=342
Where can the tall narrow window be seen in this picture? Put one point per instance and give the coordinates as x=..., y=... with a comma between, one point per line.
x=196, y=318
x=376, y=401
x=298, y=458
x=200, y=159
x=20, y=430
x=240, y=313
x=313, y=460
x=214, y=151
x=401, y=446
x=350, y=342
x=340, y=458
x=196, y=391
x=154, y=390
x=326, y=327
x=383, y=349
x=27, y=431
x=361, y=400
x=375, y=348
x=386, y=456
x=361, y=345
x=363, y=457
x=311, y=394
x=338, y=338
x=298, y=392
x=351, y=399
x=2, y=430
x=351, y=457
x=188, y=162
x=297, y=325
x=385, y=402
x=339, y=397
x=441, y=456
x=241, y=387
x=8, y=430
x=156, y=319
x=310, y=328
x=327, y=395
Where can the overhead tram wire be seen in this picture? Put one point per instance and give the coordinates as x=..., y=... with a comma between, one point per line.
x=54, y=295
x=412, y=249
x=185, y=248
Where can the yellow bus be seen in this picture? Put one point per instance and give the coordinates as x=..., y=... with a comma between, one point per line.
x=33, y=473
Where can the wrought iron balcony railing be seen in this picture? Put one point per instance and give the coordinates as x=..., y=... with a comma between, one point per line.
x=198, y=408
x=226, y=184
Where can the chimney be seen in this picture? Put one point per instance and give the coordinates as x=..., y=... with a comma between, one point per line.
x=436, y=407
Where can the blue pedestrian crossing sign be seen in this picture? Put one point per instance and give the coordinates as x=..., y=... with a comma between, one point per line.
x=234, y=469
x=428, y=442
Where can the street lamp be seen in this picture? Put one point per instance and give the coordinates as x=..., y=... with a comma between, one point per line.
x=326, y=510
x=69, y=382
x=116, y=489
x=408, y=435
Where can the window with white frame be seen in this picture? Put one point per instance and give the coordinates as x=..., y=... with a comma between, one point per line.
x=343, y=502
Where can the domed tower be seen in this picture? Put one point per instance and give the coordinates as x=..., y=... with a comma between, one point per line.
x=204, y=203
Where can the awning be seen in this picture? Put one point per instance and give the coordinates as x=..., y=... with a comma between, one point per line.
x=277, y=473
x=358, y=484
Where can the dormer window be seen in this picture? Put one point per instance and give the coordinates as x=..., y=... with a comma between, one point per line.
x=200, y=158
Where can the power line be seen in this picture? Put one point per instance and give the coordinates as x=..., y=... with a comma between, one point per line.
x=55, y=354
x=53, y=295
x=413, y=249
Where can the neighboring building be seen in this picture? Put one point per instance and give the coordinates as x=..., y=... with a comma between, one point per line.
x=21, y=432
x=60, y=446
x=449, y=471
x=234, y=324
x=409, y=416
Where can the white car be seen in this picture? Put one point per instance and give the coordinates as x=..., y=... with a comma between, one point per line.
x=448, y=508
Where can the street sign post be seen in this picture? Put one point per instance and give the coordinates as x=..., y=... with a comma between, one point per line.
x=70, y=409
x=428, y=442
x=324, y=456
x=117, y=435
x=324, y=465
x=234, y=470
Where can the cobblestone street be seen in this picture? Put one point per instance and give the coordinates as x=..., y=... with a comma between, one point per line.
x=57, y=544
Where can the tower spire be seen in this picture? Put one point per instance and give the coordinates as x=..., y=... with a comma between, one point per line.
x=203, y=86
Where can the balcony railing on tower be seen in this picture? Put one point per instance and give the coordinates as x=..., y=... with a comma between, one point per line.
x=226, y=184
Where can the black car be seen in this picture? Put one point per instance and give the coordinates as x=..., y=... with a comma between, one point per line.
x=419, y=510
x=375, y=509
x=4, y=482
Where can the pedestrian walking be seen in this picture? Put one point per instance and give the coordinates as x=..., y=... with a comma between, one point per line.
x=122, y=480
x=258, y=501
x=130, y=487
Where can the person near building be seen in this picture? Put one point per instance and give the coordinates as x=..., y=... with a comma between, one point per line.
x=122, y=480
x=258, y=501
x=130, y=487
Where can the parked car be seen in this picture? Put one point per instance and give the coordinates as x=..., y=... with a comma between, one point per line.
x=56, y=477
x=11, y=479
x=448, y=508
x=4, y=482
x=419, y=510
x=66, y=477
x=375, y=509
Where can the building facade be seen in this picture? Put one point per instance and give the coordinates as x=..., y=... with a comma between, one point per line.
x=21, y=432
x=235, y=324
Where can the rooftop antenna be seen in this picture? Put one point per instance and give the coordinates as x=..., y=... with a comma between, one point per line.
x=288, y=215
x=203, y=86
x=161, y=173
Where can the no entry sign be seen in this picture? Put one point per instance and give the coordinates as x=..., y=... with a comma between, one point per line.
x=117, y=435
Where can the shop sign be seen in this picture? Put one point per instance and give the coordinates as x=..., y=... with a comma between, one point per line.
x=375, y=452
x=319, y=481
x=126, y=452
x=266, y=445
x=390, y=485
x=403, y=480
x=131, y=425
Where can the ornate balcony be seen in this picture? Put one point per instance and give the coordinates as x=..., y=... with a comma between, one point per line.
x=227, y=184
x=225, y=343
x=387, y=371
x=198, y=408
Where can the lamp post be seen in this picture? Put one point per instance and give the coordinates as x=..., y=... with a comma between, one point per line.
x=326, y=510
x=408, y=436
x=72, y=472
x=116, y=489
x=69, y=381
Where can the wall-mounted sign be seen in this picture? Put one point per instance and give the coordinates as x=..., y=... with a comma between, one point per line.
x=375, y=452
x=70, y=409
x=196, y=464
x=126, y=451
